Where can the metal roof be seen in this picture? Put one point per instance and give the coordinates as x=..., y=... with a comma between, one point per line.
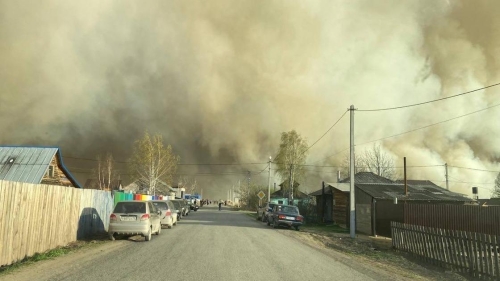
x=367, y=177
x=389, y=191
x=28, y=164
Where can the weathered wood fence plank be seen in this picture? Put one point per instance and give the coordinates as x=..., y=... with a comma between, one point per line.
x=36, y=218
x=464, y=251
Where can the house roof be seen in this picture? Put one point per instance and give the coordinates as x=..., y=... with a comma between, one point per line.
x=415, y=193
x=94, y=184
x=367, y=177
x=344, y=187
x=419, y=183
x=328, y=191
x=29, y=164
x=285, y=194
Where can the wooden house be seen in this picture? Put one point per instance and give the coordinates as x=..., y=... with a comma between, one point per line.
x=38, y=165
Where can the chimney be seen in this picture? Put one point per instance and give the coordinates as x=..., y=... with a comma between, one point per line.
x=338, y=176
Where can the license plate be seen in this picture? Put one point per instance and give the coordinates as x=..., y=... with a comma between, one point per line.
x=128, y=218
x=290, y=218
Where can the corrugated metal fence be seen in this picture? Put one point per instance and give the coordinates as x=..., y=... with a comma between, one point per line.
x=36, y=218
x=467, y=252
x=457, y=217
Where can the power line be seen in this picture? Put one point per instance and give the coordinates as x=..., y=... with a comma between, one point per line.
x=179, y=164
x=328, y=130
x=474, y=169
x=421, y=103
x=396, y=135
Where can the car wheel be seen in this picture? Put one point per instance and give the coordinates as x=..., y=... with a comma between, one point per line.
x=296, y=228
x=148, y=236
x=274, y=224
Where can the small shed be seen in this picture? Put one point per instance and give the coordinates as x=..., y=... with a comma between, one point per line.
x=37, y=165
x=332, y=204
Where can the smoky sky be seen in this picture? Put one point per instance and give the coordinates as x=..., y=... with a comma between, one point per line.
x=220, y=80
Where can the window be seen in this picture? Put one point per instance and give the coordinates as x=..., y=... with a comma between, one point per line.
x=51, y=171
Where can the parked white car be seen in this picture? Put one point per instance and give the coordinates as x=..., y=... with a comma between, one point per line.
x=168, y=215
x=133, y=218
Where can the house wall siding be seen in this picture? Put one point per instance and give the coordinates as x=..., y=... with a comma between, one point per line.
x=59, y=178
x=340, y=207
x=363, y=212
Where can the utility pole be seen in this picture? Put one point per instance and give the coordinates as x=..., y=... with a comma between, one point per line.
x=290, y=196
x=446, y=176
x=352, y=201
x=269, y=182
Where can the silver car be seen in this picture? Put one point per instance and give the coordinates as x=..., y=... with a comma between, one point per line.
x=168, y=214
x=134, y=218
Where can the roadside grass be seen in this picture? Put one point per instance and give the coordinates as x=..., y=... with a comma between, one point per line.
x=328, y=228
x=252, y=215
x=51, y=254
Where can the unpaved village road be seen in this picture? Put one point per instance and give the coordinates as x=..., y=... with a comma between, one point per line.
x=206, y=245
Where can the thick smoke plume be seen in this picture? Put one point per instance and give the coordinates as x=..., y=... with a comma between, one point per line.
x=222, y=79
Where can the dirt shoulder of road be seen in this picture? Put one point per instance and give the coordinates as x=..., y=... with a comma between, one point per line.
x=80, y=253
x=375, y=252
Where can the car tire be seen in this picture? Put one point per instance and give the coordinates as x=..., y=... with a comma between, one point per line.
x=148, y=236
x=296, y=228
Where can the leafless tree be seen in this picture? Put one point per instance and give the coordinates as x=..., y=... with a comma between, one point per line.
x=373, y=160
x=379, y=162
x=104, y=171
x=188, y=183
x=152, y=163
x=496, y=191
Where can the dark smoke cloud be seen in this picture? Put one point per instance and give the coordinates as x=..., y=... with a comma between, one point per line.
x=221, y=80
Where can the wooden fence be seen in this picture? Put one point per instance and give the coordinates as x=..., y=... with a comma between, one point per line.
x=36, y=218
x=468, y=252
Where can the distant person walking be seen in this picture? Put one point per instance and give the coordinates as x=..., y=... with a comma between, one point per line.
x=220, y=205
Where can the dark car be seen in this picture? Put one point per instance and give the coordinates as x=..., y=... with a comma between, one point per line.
x=284, y=215
x=193, y=206
x=178, y=208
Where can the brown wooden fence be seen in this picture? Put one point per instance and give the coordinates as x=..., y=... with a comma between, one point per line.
x=468, y=252
x=36, y=218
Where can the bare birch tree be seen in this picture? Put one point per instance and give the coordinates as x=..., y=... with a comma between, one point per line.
x=496, y=190
x=152, y=163
x=358, y=165
x=190, y=184
x=379, y=162
x=291, y=157
x=104, y=171
x=373, y=160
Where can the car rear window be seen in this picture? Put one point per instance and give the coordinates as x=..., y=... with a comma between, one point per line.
x=272, y=205
x=130, y=207
x=291, y=210
x=161, y=205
